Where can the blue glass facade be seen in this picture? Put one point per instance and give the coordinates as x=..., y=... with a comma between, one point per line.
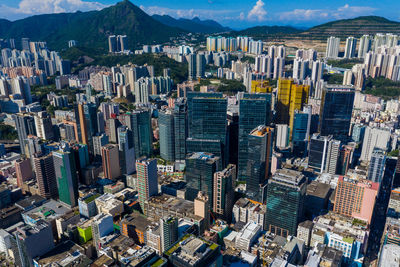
x=254, y=110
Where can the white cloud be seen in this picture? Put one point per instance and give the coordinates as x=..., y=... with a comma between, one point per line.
x=343, y=12
x=35, y=7
x=258, y=12
x=219, y=15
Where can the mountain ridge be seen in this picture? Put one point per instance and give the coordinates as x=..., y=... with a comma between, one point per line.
x=195, y=24
x=90, y=28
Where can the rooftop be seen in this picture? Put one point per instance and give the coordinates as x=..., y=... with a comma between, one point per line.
x=288, y=177
x=49, y=209
x=317, y=189
x=66, y=253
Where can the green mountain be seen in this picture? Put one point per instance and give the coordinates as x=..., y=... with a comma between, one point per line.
x=91, y=28
x=353, y=27
x=192, y=25
x=264, y=31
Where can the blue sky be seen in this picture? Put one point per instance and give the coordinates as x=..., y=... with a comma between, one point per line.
x=233, y=13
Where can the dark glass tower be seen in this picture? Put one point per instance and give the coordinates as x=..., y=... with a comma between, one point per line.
x=167, y=134
x=254, y=110
x=258, y=162
x=139, y=122
x=200, y=169
x=285, y=201
x=336, y=110
x=207, y=121
x=300, y=133
x=180, y=129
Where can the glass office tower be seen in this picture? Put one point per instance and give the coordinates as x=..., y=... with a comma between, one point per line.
x=254, y=110
x=285, y=201
x=336, y=110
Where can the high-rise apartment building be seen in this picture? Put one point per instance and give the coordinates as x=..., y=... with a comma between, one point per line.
x=356, y=198
x=365, y=46
x=44, y=127
x=111, y=162
x=147, y=179
x=224, y=192
x=332, y=47
x=350, y=49
x=45, y=175
x=25, y=125
x=202, y=208
x=169, y=232
x=23, y=170
x=66, y=175
x=200, y=65
x=374, y=138
x=258, y=162
x=376, y=165
x=336, y=111
x=99, y=141
x=285, y=202
x=192, y=66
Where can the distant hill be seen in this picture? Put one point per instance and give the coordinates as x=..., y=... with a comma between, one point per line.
x=353, y=27
x=192, y=25
x=91, y=28
x=263, y=31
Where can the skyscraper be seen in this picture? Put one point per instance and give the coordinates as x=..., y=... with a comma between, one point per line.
x=376, y=165
x=112, y=43
x=254, y=110
x=192, y=66
x=291, y=97
x=147, y=179
x=199, y=176
x=82, y=122
x=318, y=157
x=200, y=65
x=44, y=127
x=139, y=122
x=45, y=175
x=66, y=175
x=258, y=162
x=336, y=111
x=169, y=232
x=23, y=170
x=355, y=198
x=374, y=138
x=207, y=124
x=180, y=129
x=224, y=192
x=99, y=141
x=332, y=47
x=350, y=49
x=167, y=134
x=111, y=163
x=285, y=202
x=25, y=126
x=126, y=150
x=365, y=45
x=301, y=132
